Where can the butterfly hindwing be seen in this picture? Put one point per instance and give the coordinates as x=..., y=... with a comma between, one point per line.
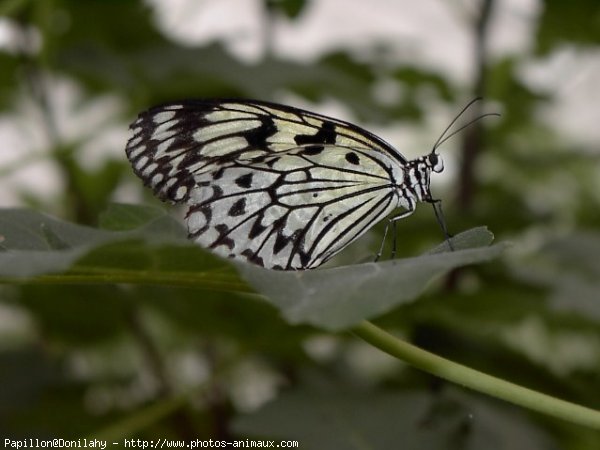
x=291, y=210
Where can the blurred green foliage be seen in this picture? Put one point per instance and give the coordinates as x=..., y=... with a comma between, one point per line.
x=115, y=359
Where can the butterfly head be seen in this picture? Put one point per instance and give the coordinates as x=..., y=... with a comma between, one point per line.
x=434, y=161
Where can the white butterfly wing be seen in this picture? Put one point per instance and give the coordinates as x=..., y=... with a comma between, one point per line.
x=293, y=210
x=273, y=185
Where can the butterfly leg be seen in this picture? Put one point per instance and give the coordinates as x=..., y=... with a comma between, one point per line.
x=392, y=221
x=437, y=208
x=385, y=232
x=394, y=240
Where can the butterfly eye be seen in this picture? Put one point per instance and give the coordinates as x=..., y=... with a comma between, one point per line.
x=436, y=163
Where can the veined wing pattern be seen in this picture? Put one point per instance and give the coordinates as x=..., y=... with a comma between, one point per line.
x=270, y=184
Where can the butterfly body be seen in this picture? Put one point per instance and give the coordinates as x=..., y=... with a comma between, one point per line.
x=273, y=185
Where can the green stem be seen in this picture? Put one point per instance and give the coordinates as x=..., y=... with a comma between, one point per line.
x=475, y=380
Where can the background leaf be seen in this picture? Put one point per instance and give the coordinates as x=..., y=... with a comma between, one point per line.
x=333, y=418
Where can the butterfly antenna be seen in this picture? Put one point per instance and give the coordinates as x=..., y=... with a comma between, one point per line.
x=444, y=137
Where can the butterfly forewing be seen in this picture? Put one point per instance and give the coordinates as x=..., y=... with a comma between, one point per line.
x=273, y=185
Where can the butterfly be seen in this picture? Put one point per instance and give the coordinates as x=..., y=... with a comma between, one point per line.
x=275, y=185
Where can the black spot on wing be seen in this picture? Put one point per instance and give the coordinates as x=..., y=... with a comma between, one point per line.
x=352, y=158
x=304, y=258
x=257, y=137
x=244, y=181
x=217, y=192
x=312, y=150
x=238, y=208
x=256, y=229
x=218, y=173
x=253, y=257
x=223, y=239
x=298, y=249
x=271, y=161
x=207, y=211
x=325, y=135
x=281, y=241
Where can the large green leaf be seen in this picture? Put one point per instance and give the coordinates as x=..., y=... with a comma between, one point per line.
x=120, y=216
x=155, y=251
x=37, y=244
x=341, y=297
